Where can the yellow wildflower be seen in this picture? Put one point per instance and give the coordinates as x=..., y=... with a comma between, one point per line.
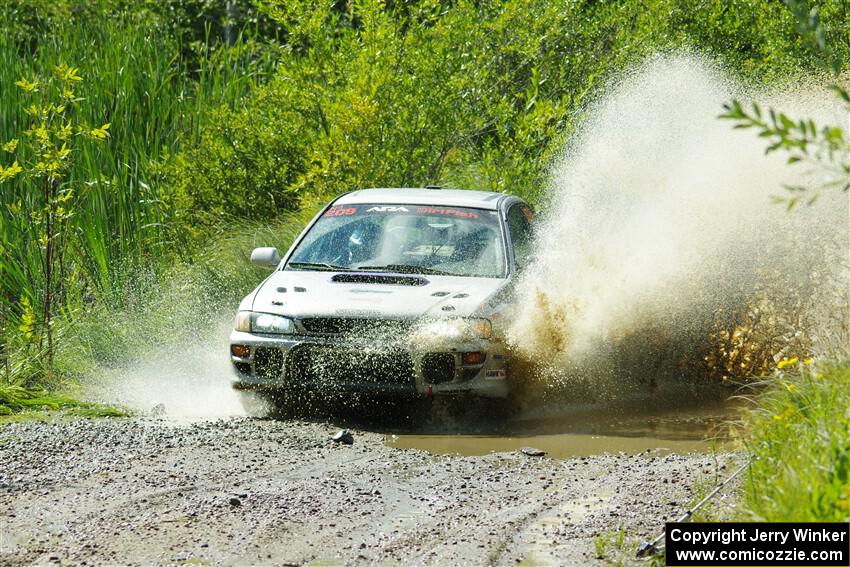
x=66, y=73
x=844, y=502
x=808, y=361
x=27, y=325
x=786, y=362
x=65, y=132
x=9, y=172
x=100, y=133
x=784, y=415
x=28, y=86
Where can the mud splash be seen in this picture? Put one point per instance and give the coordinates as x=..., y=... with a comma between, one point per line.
x=659, y=237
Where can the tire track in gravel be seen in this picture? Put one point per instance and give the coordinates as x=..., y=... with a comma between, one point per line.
x=140, y=492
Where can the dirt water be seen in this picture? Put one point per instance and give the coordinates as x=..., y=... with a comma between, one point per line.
x=577, y=432
x=592, y=432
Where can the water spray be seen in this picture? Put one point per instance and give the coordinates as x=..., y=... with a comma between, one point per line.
x=659, y=225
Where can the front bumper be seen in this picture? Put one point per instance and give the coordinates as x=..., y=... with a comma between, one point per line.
x=333, y=365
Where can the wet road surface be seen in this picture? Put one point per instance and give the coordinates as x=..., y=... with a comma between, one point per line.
x=242, y=491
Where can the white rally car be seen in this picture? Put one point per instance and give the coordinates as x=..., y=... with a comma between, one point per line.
x=387, y=292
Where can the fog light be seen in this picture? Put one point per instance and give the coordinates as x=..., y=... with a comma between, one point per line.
x=473, y=357
x=241, y=351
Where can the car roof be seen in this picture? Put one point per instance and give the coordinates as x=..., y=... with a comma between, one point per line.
x=436, y=196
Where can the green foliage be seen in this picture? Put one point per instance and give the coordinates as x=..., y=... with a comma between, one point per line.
x=463, y=93
x=826, y=37
x=156, y=100
x=245, y=164
x=46, y=151
x=116, y=214
x=16, y=399
x=25, y=22
x=825, y=149
x=193, y=22
x=801, y=443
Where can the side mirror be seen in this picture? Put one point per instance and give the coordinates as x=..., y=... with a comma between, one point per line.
x=267, y=257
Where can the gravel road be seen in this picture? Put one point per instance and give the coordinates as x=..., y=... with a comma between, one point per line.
x=262, y=492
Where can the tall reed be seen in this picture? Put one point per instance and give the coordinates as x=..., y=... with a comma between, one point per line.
x=156, y=93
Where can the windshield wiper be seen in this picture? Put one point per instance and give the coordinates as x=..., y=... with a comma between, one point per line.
x=404, y=269
x=323, y=266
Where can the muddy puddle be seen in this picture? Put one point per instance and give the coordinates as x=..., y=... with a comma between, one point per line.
x=578, y=432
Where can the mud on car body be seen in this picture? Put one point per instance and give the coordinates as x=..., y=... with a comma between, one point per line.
x=387, y=292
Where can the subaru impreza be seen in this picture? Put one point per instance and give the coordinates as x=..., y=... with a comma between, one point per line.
x=398, y=293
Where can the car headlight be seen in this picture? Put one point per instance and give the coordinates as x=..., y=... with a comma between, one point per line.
x=250, y=322
x=243, y=322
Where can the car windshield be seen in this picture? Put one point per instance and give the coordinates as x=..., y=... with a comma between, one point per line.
x=417, y=239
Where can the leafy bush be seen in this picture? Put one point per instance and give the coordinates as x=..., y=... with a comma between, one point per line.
x=466, y=94
x=246, y=164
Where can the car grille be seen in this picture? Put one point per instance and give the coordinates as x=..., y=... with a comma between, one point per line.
x=357, y=327
x=268, y=362
x=438, y=367
x=334, y=365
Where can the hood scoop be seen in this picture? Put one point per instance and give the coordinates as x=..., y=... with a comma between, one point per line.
x=391, y=279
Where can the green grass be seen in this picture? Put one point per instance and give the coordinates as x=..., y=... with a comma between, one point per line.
x=18, y=403
x=161, y=309
x=800, y=445
x=613, y=548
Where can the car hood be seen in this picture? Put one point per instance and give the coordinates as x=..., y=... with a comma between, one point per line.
x=332, y=294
